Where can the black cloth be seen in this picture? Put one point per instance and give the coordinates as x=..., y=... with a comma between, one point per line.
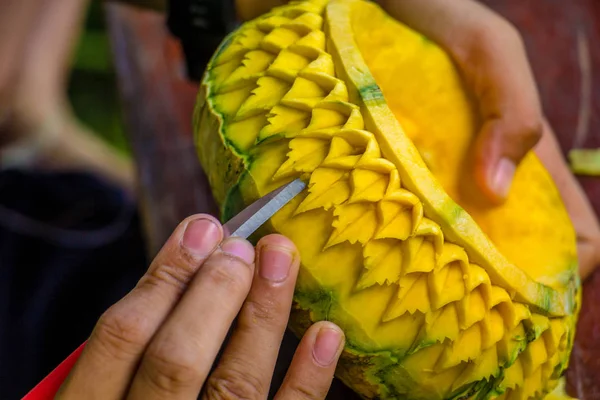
x=70, y=247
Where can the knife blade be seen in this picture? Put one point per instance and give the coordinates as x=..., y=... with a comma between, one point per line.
x=256, y=214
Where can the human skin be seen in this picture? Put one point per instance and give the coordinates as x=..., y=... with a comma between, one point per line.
x=161, y=340
x=37, y=126
x=142, y=345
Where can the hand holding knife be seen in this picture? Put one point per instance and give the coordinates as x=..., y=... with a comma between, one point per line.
x=242, y=225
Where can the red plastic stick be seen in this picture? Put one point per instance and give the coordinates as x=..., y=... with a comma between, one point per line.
x=48, y=387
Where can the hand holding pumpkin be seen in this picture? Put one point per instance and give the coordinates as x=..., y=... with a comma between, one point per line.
x=491, y=56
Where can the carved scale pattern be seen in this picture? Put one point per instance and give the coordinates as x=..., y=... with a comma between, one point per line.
x=285, y=88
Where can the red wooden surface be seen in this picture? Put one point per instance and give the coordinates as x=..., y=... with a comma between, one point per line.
x=562, y=39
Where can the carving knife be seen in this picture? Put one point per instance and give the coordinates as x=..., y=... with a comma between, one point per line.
x=242, y=225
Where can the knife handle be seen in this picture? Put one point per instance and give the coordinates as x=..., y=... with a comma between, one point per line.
x=48, y=387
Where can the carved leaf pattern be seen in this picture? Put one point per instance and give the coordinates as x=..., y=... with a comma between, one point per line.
x=279, y=68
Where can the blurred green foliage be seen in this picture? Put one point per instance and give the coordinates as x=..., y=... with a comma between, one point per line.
x=92, y=90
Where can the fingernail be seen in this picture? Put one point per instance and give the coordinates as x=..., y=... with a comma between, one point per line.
x=239, y=248
x=327, y=344
x=503, y=177
x=201, y=237
x=275, y=263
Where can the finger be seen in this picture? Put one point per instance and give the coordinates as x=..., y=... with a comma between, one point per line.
x=246, y=366
x=110, y=358
x=491, y=57
x=501, y=79
x=183, y=351
x=499, y=149
x=313, y=366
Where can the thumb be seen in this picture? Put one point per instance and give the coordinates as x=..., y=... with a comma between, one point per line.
x=500, y=146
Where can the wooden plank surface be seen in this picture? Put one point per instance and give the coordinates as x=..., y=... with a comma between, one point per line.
x=158, y=104
x=562, y=45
